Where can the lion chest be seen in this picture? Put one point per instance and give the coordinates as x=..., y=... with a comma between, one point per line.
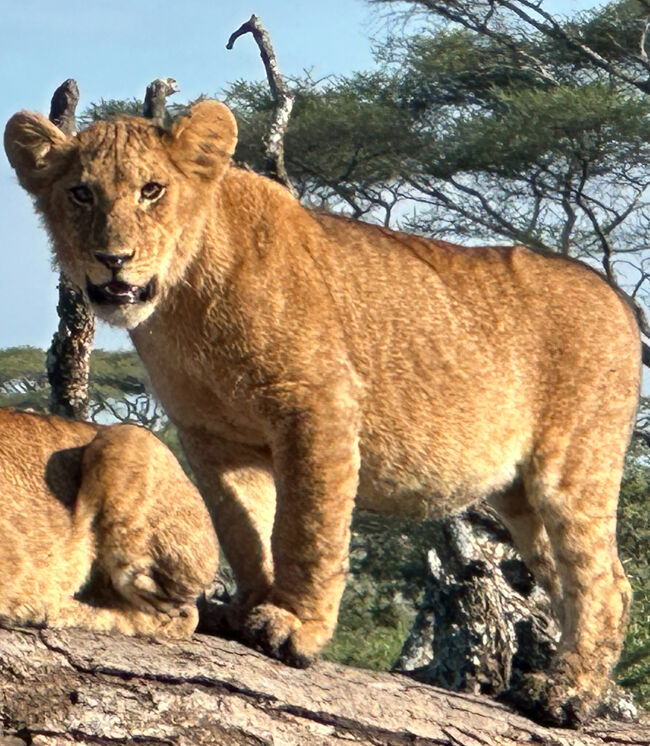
x=196, y=396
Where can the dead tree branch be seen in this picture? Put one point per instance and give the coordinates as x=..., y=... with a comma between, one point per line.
x=274, y=156
x=78, y=687
x=68, y=359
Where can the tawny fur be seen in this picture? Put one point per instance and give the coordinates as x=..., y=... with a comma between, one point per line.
x=308, y=360
x=100, y=529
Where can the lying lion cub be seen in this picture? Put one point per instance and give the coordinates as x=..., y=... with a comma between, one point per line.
x=312, y=363
x=100, y=529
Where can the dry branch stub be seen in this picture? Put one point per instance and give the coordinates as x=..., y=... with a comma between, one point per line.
x=484, y=622
x=155, y=99
x=63, y=106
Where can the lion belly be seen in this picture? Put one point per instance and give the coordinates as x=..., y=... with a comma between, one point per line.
x=442, y=460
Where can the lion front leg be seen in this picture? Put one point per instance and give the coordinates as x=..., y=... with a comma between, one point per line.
x=122, y=617
x=154, y=538
x=237, y=484
x=316, y=464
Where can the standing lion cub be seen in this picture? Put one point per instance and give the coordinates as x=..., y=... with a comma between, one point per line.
x=311, y=361
x=100, y=529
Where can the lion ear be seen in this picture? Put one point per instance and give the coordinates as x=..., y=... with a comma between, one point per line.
x=36, y=149
x=203, y=142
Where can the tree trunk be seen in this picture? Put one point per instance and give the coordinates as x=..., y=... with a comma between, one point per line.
x=73, y=686
x=484, y=622
x=482, y=613
x=68, y=359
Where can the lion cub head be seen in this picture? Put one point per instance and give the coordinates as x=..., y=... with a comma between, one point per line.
x=124, y=201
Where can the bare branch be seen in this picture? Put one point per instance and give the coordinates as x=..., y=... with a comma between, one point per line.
x=274, y=165
x=567, y=228
x=556, y=30
x=644, y=38
x=549, y=26
x=503, y=226
x=593, y=219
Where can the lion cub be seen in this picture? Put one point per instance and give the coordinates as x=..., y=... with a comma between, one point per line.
x=101, y=529
x=313, y=364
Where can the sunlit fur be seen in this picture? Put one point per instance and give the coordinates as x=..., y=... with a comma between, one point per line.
x=309, y=360
x=100, y=529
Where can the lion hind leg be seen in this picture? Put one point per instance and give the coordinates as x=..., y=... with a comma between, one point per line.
x=576, y=501
x=531, y=540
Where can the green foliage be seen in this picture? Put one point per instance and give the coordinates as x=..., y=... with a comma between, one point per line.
x=385, y=584
x=594, y=124
x=117, y=373
x=455, y=68
x=614, y=30
x=23, y=381
x=114, y=377
x=20, y=362
x=107, y=108
x=634, y=544
x=345, y=135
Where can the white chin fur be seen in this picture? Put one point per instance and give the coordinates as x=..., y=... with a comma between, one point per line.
x=127, y=316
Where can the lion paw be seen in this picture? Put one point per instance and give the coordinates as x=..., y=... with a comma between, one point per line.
x=143, y=585
x=181, y=624
x=280, y=634
x=551, y=700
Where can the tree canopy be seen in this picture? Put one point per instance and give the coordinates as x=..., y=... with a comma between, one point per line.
x=489, y=121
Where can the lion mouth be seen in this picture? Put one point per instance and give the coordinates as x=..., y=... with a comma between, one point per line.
x=118, y=293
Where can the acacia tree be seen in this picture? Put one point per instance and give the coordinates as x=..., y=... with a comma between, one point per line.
x=541, y=128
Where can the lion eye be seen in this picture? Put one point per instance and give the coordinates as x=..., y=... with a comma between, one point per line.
x=81, y=195
x=152, y=191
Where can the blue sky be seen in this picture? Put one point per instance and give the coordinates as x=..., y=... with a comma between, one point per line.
x=113, y=48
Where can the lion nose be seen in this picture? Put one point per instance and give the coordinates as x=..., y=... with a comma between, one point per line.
x=112, y=261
